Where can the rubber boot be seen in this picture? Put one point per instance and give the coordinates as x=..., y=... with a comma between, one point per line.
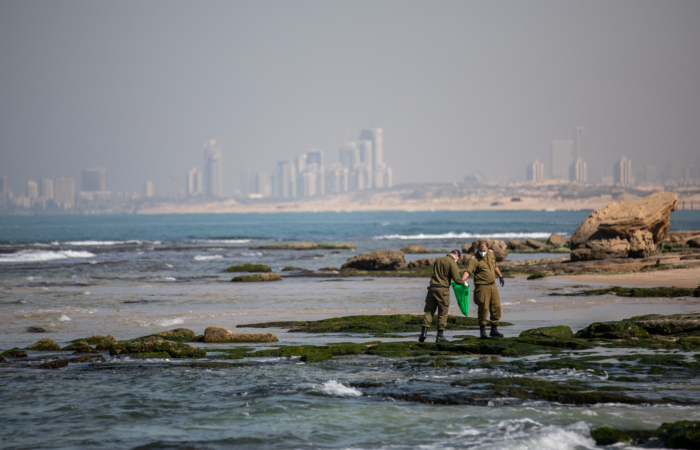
x=440, y=337
x=423, y=334
x=494, y=331
x=482, y=331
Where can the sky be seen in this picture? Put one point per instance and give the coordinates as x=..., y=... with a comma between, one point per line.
x=457, y=86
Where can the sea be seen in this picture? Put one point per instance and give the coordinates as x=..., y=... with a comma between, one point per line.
x=134, y=275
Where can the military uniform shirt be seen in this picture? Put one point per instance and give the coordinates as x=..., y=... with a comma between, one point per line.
x=444, y=270
x=483, y=269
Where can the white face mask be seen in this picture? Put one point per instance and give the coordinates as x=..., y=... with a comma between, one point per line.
x=482, y=254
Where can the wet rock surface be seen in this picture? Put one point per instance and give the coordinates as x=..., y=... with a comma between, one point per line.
x=217, y=334
x=258, y=277
x=15, y=353
x=378, y=260
x=249, y=268
x=46, y=344
x=682, y=434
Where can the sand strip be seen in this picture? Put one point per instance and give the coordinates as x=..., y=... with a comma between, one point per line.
x=686, y=278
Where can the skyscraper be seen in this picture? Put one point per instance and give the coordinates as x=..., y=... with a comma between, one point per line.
x=94, y=179
x=622, y=172
x=579, y=143
x=194, y=182
x=535, y=171
x=213, y=169
x=32, y=190
x=561, y=159
x=284, y=184
x=64, y=192
x=47, y=188
x=578, y=171
x=148, y=189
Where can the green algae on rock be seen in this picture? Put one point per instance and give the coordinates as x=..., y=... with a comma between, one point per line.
x=55, y=364
x=79, y=347
x=176, y=335
x=257, y=278
x=307, y=246
x=672, y=292
x=156, y=344
x=15, y=353
x=216, y=334
x=102, y=342
x=249, y=268
x=369, y=324
x=554, y=332
x=676, y=325
x=45, y=345
x=682, y=434
x=87, y=358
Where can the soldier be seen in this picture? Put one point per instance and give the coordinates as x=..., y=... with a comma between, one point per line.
x=444, y=270
x=483, y=266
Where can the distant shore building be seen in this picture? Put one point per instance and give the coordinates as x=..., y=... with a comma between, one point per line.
x=32, y=191
x=622, y=172
x=561, y=159
x=578, y=172
x=148, y=189
x=194, y=182
x=535, y=171
x=213, y=169
x=284, y=181
x=94, y=179
x=64, y=192
x=579, y=143
x=47, y=189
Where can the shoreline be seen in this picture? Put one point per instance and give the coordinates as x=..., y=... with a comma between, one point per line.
x=684, y=278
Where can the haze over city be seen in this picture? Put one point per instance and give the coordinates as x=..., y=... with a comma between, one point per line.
x=458, y=88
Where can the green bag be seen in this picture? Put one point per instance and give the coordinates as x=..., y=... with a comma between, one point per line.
x=462, y=294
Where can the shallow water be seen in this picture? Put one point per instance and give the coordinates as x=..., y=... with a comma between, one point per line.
x=133, y=276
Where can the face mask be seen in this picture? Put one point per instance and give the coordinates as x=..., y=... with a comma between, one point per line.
x=482, y=254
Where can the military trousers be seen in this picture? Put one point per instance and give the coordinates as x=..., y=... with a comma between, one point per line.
x=488, y=300
x=437, y=298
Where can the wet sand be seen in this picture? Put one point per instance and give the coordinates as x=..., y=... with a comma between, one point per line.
x=685, y=278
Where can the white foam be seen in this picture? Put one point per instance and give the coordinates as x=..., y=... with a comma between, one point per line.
x=63, y=318
x=465, y=235
x=44, y=255
x=332, y=387
x=207, y=257
x=93, y=243
x=224, y=241
x=253, y=254
x=169, y=322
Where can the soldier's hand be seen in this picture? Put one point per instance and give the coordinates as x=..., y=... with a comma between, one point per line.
x=502, y=282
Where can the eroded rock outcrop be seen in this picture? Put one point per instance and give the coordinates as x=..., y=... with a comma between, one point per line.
x=46, y=345
x=379, y=260
x=216, y=334
x=624, y=229
x=557, y=240
x=423, y=262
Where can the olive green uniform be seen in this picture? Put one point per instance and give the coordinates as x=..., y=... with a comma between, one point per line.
x=444, y=270
x=483, y=269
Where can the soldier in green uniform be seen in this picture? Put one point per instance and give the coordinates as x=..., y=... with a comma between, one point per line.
x=483, y=266
x=444, y=270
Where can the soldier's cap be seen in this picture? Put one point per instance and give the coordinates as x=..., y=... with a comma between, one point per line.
x=456, y=252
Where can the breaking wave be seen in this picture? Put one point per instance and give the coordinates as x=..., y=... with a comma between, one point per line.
x=333, y=387
x=465, y=235
x=44, y=255
x=207, y=257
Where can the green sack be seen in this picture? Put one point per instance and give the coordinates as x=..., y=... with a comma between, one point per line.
x=462, y=294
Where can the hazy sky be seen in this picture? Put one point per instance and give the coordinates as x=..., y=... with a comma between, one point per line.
x=137, y=87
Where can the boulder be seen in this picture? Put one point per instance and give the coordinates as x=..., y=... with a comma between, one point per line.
x=15, y=353
x=218, y=335
x=514, y=244
x=424, y=262
x=641, y=244
x=620, y=221
x=156, y=344
x=499, y=248
x=561, y=331
x=56, y=364
x=694, y=242
x=557, y=240
x=535, y=245
x=45, y=345
x=2, y=359
x=35, y=330
x=379, y=260
x=416, y=249
x=258, y=277
x=249, y=268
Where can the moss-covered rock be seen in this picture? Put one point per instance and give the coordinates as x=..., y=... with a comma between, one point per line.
x=257, y=278
x=560, y=331
x=79, y=347
x=45, y=345
x=98, y=340
x=87, y=358
x=176, y=335
x=152, y=355
x=683, y=434
x=609, y=436
x=672, y=292
x=216, y=334
x=15, y=353
x=419, y=249
x=291, y=268
x=612, y=330
x=370, y=324
x=55, y=364
x=156, y=344
x=249, y=268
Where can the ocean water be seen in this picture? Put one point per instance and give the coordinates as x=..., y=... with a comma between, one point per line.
x=130, y=276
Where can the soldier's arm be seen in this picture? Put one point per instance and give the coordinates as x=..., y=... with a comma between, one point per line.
x=454, y=273
x=498, y=271
x=470, y=268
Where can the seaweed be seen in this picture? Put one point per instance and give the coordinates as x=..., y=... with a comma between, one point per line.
x=257, y=278
x=249, y=268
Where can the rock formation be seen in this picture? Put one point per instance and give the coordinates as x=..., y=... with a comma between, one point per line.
x=216, y=334
x=423, y=262
x=45, y=345
x=535, y=245
x=379, y=260
x=624, y=229
x=499, y=249
x=515, y=244
x=557, y=240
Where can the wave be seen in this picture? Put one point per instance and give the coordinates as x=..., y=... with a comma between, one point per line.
x=44, y=255
x=169, y=322
x=332, y=387
x=465, y=235
x=224, y=241
x=207, y=257
x=101, y=243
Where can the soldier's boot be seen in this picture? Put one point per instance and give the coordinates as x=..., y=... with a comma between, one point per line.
x=440, y=337
x=494, y=331
x=423, y=334
x=482, y=332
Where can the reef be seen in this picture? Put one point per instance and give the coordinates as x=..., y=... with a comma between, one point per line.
x=258, y=277
x=377, y=324
x=249, y=268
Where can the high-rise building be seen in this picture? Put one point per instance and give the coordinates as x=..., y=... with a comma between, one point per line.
x=148, y=189
x=535, y=171
x=578, y=172
x=47, y=188
x=337, y=179
x=375, y=136
x=3, y=184
x=194, y=182
x=213, y=169
x=260, y=184
x=650, y=173
x=94, y=179
x=64, y=192
x=579, y=143
x=622, y=172
x=284, y=183
x=561, y=159
x=349, y=156
x=32, y=190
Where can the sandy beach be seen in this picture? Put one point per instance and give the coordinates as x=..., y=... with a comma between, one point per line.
x=685, y=278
